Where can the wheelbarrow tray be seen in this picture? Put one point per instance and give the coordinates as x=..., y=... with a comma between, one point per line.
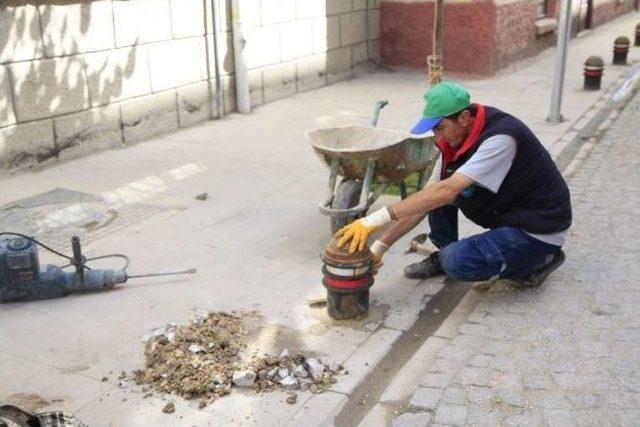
x=396, y=154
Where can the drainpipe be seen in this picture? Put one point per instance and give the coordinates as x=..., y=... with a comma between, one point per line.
x=216, y=60
x=242, y=82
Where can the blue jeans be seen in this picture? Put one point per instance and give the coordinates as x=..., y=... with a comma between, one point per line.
x=504, y=252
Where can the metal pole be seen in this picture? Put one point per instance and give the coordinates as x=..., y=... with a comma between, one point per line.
x=434, y=61
x=561, y=62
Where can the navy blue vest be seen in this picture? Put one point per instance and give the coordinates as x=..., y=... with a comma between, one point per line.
x=533, y=196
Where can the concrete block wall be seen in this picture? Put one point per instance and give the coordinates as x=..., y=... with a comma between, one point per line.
x=77, y=76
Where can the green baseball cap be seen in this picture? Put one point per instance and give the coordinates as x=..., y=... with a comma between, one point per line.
x=441, y=100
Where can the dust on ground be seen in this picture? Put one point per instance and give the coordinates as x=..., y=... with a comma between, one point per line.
x=204, y=360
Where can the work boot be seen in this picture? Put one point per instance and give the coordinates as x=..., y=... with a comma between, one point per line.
x=428, y=267
x=538, y=277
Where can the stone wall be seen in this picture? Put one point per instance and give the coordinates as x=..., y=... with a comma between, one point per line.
x=78, y=76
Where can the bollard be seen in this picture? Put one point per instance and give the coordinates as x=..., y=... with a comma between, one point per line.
x=620, y=50
x=637, y=41
x=593, y=70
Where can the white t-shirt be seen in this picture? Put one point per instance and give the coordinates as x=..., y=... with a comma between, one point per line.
x=488, y=167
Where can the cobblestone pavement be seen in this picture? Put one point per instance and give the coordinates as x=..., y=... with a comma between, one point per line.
x=567, y=353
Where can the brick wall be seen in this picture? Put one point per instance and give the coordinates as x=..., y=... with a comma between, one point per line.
x=78, y=76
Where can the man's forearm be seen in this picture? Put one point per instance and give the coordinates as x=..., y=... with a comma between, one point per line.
x=399, y=228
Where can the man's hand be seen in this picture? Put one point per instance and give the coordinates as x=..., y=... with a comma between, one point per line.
x=357, y=232
x=378, y=248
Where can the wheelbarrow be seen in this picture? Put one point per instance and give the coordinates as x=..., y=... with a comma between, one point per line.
x=364, y=156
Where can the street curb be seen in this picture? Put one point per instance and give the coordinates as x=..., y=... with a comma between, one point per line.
x=600, y=115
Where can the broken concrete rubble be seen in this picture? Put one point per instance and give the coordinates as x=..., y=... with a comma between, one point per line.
x=244, y=378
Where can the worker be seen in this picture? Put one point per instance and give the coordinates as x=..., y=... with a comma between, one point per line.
x=495, y=170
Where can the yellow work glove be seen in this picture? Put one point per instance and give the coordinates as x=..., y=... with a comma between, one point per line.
x=358, y=231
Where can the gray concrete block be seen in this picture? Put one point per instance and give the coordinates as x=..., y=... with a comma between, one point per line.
x=311, y=72
x=196, y=103
x=338, y=6
x=375, y=25
x=278, y=11
x=359, y=58
x=425, y=398
x=187, y=18
x=410, y=419
x=338, y=64
x=256, y=94
x=296, y=39
x=141, y=21
x=326, y=34
x=263, y=46
x=47, y=87
x=279, y=81
x=311, y=9
x=435, y=379
x=175, y=63
x=88, y=131
x=75, y=27
x=20, y=35
x=117, y=74
x=352, y=28
x=26, y=145
x=148, y=116
x=359, y=4
x=7, y=115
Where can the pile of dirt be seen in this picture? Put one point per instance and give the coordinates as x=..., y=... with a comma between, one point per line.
x=204, y=360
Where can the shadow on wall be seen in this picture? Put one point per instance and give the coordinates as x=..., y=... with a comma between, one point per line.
x=54, y=63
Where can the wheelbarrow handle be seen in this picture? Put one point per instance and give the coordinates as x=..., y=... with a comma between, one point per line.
x=376, y=111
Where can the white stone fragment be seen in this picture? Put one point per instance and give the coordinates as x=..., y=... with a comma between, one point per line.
x=195, y=348
x=272, y=373
x=244, y=378
x=284, y=354
x=315, y=368
x=290, y=383
x=283, y=372
x=300, y=372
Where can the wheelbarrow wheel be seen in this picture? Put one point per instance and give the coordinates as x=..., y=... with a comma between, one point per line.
x=347, y=196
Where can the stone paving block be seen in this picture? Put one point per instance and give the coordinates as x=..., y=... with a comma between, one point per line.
x=187, y=18
x=175, y=63
x=412, y=419
x=48, y=87
x=7, y=116
x=363, y=360
x=338, y=64
x=149, y=115
x=311, y=72
x=296, y=39
x=480, y=395
x=117, y=74
x=196, y=103
x=311, y=9
x=547, y=399
x=352, y=28
x=338, y=6
x=451, y=414
x=20, y=34
x=263, y=46
x=483, y=416
x=75, y=27
x=456, y=396
x=279, y=81
x=436, y=380
x=426, y=398
x=141, y=21
x=88, y=131
x=472, y=329
x=481, y=361
x=278, y=11
x=26, y=145
x=475, y=376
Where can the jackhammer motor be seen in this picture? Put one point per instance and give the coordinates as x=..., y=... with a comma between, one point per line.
x=22, y=278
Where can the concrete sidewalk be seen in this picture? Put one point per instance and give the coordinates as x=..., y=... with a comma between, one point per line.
x=255, y=241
